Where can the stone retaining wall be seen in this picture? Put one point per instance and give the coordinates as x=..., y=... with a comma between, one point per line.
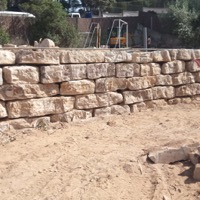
x=44, y=86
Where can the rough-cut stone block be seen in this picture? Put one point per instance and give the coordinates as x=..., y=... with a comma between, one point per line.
x=4, y=127
x=182, y=78
x=163, y=92
x=124, y=70
x=197, y=77
x=150, y=69
x=78, y=71
x=39, y=107
x=186, y=100
x=172, y=67
x=142, y=57
x=137, y=83
x=120, y=109
x=138, y=107
x=1, y=77
x=161, y=56
x=196, y=54
x=184, y=54
x=117, y=56
x=3, y=112
x=192, y=66
x=174, y=101
x=196, y=174
x=77, y=87
x=102, y=112
x=21, y=74
x=98, y=70
x=91, y=101
x=27, y=91
x=137, y=96
x=110, y=84
x=194, y=157
x=81, y=56
x=188, y=90
x=173, y=53
x=41, y=57
x=72, y=116
x=169, y=155
x=114, y=98
x=163, y=80
x=156, y=103
x=7, y=57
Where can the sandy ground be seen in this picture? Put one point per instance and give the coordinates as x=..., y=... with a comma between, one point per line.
x=102, y=159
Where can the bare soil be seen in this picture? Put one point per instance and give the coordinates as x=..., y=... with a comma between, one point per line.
x=102, y=158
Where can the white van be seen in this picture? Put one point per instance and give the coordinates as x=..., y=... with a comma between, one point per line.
x=74, y=15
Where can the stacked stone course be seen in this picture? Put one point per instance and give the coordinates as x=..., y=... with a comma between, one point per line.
x=68, y=85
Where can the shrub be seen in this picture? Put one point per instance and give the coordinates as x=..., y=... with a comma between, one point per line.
x=4, y=37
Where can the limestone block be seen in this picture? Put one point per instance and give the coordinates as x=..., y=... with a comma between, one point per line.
x=192, y=66
x=1, y=76
x=188, y=90
x=184, y=54
x=174, y=101
x=110, y=84
x=120, y=109
x=150, y=69
x=182, y=78
x=137, y=96
x=163, y=80
x=196, y=174
x=7, y=57
x=161, y=56
x=91, y=101
x=169, y=155
x=77, y=87
x=82, y=56
x=142, y=57
x=186, y=100
x=114, y=98
x=100, y=112
x=196, y=54
x=156, y=103
x=78, y=71
x=4, y=127
x=3, y=112
x=46, y=43
x=98, y=70
x=124, y=70
x=26, y=91
x=72, y=116
x=117, y=56
x=137, y=83
x=21, y=74
x=40, y=57
x=39, y=107
x=194, y=157
x=197, y=77
x=163, y=92
x=172, y=67
x=138, y=107
x=173, y=54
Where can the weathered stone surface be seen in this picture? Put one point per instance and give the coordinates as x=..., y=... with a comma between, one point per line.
x=163, y=80
x=150, y=69
x=184, y=54
x=124, y=70
x=196, y=54
x=60, y=73
x=110, y=84
x=182, y=78
x=174, y=101
x=138, y=107
x=163, y=92
x=3, y=112
x=196, y=174
x=197, y=77
x=156, y=103
x=1, y=77
x=7, y=57
x=46, y=43
x=194, y=157
x=188, y=90
x=137, y=96
x=117, y=56
x=4, y=126
x=137, y=83
x=82, y=56
x=186, y=100
x=172, y=67
x=142, y=57
x=169, y=155
x=38, y=57
x=173, y=54
x=77, y=87
x=114, y=98
x=72, y=116
x=27, y=91
x=192, y=66
x=102, y=112
x=21, y=74
x=120, y=109
x=161, y=56
x=39, y=107
x=98, y=70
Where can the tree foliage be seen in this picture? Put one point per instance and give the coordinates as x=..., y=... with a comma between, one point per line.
x=3, y=4
x=51, y=22
x=99, y=3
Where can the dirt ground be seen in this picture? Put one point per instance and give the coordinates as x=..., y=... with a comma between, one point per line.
x=102, y=159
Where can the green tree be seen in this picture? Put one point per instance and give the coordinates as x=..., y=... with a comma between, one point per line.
x=51, y=22
x=3, y=4
x=102, y=4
